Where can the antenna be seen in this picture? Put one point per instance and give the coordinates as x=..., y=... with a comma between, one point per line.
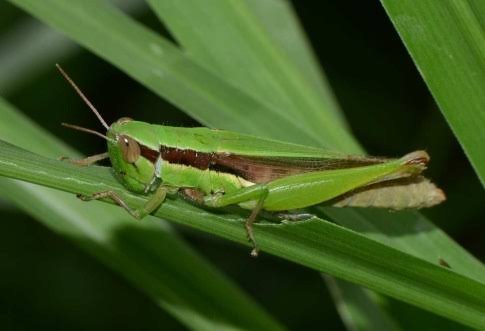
x=80, y=128
x=90, y=105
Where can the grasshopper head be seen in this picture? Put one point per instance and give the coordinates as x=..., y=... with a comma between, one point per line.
x=134, y=170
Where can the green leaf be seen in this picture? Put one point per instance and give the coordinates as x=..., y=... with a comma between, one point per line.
x=23, y=52
x=446, y=40
x=318, y=244
x=216, y=101
x=162, y=67
x=247, y=55
x=358, y=309
x=149, y=254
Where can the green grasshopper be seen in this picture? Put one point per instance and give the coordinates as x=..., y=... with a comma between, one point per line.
x=216, y=168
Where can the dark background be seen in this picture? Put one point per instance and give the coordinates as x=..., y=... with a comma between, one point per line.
x=47, y=282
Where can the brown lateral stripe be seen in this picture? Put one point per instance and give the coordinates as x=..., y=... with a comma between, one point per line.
x=148, y=153
x=187, y=157
x=252, y=168
x=178, y=156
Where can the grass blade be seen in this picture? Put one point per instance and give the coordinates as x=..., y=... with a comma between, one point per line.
x=283, y=28
x=364, y=261
x=446, y=41
x=358, y=309
x=198, y=91
x=23, y=52
x=161, y=66
x=247, y=53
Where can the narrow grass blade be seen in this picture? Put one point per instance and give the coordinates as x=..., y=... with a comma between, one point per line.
x=280, y=22
x=211, y=106
x=148, y=254
x=315, y=243
x=446, y=40
x=248, y=54
x=410, y=232
x=23, y=52
x=358, y=309
x=162, y=67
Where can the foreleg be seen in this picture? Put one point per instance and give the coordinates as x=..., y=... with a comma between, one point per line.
x=150, y=206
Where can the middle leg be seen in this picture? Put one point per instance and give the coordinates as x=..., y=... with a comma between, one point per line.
x=252, y=193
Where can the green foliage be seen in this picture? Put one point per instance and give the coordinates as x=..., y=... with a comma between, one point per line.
x=365, y=262
x=446, y=40
x=246, y=66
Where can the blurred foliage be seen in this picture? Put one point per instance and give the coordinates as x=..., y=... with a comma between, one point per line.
x=49, y=283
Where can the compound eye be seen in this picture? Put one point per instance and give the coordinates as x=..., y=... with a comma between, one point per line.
x=130, y=150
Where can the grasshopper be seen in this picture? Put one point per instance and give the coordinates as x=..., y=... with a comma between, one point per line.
x=216, y=168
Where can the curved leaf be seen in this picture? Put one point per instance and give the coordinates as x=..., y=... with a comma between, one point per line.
x=318, y=244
